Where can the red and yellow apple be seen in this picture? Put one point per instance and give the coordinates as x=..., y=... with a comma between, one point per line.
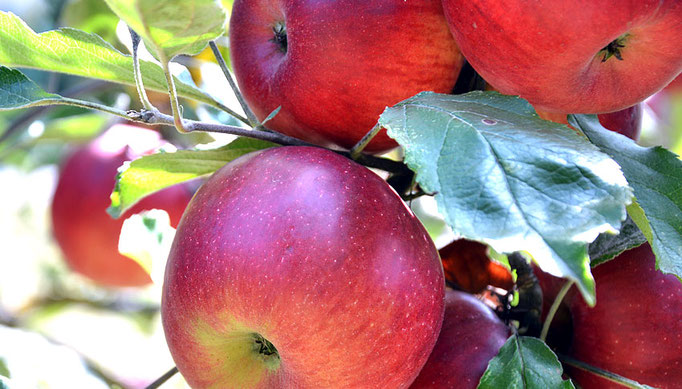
x=635, y=329
x=470, y=337
x=333, y=66
x=584, y=56
x=86, y=233
x=296, y=267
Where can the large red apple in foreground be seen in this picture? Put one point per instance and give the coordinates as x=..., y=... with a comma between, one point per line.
x=295, y=267
x=635, y=330
x=333, y=66
x=471, y=336
x=583, y=56
x=87, y=235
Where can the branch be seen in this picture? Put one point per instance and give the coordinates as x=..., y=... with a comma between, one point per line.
x=554, y=308
x=137, y=73
x=161, y=380
x=599, y=372
x=252, y=120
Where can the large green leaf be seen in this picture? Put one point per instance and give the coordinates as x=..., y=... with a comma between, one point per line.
x=524, y=362
x=507, y=178
x=656, y=177
x=151, y=173
x=17, y=91
x=72, y=51
x=173, y=26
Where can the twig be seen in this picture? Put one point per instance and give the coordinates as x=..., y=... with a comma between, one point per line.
x=554, y=308
x=597, y=371
x=252, y=120
x=357, y=149
x=137, y=74
x=172, y=94
x=32, y=114
x=161, y=380
x=158, y=118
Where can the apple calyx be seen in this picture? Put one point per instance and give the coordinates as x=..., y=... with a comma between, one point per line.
x=613, y=49
x=280, y=38
x=264, y=347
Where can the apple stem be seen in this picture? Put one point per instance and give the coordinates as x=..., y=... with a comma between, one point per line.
x=172, y=94
x=252, y=120
x=161, y=380
x=554, y=308
x=357, y=149
x=137, y=74
x=600, y=372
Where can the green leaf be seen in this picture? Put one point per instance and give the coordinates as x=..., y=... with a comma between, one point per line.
x=173, y=27
x=524, y=362
x=77, y=128
x=75, y=52
x=507, y=178
x=151, y=173
x=17, y=91
x=4, y=371
x=607, y=245
x=92, y=16
x=146, y=238
x=655, y=174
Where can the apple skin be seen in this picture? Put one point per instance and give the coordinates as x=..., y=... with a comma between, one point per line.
x=635, y=329
x=550, y=51
x=470, y=337
x=317, y=255
x=627, y=121
x=86, y=233
x=345, y=61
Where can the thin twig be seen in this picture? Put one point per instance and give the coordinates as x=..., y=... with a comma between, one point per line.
x=157, y=118
x=161, y=380
x=172, y=94
x=21, y=121
x=554, y=308
x=137, y=73
x=252, y=120
x=357, y=149
x=597, y=371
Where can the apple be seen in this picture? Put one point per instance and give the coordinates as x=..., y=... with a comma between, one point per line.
x=87, y=235
x=466, y=265
x=471, y=336
x=627, y=121
x=589, y=56
x=333, y=66
x=296, y=267
x=635, y=329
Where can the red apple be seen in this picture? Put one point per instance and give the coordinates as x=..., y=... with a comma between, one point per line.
x=627, y=121
x=635, y=330
x=471, y=336
x=296, y=267
x=87, y=235
x=333, y=66
x=586, y=56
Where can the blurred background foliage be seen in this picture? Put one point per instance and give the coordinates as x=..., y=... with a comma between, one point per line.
x=59, y=330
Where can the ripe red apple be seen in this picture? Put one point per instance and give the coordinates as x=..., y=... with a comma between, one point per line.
x=635, y=330
x=471, y=336
x=586, y=56
x=333, y=66
x=296, y=267
x=627, y=121
x=87, y=235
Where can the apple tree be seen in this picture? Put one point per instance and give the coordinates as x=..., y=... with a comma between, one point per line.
x=319, y=131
